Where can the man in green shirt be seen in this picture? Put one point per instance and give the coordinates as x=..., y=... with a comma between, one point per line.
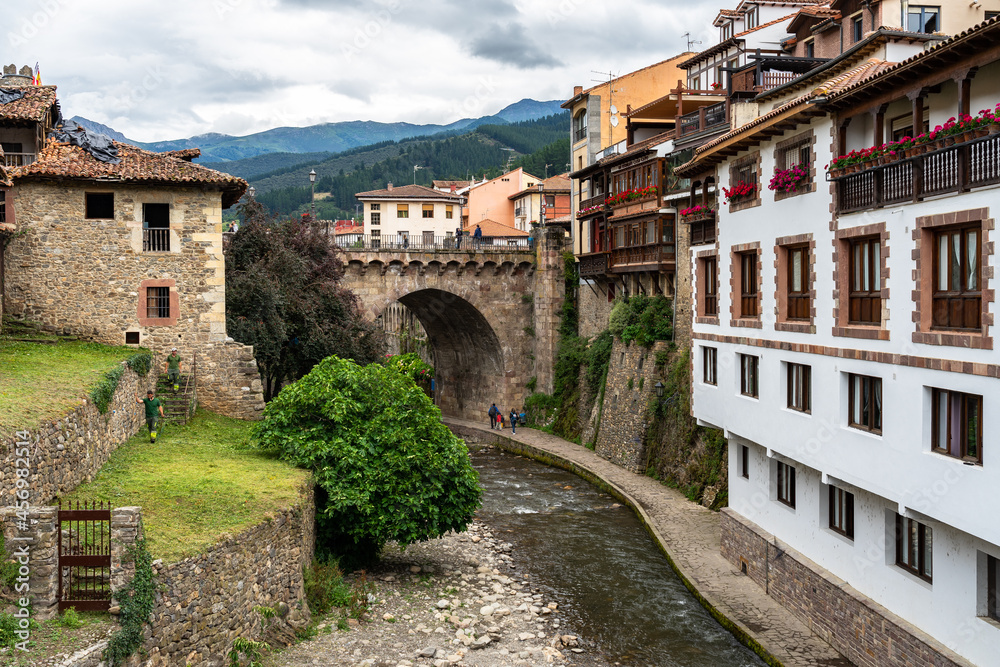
x=154, y=412
x=172, y=367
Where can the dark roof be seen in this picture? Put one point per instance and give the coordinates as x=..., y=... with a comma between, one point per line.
x=408, y=192
x=32, y=107
x=62, y=160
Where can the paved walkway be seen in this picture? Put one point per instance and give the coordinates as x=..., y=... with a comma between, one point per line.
x=690, y=536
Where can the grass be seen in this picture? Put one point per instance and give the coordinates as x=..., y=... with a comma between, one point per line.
x=43, y=381
x=194, y=484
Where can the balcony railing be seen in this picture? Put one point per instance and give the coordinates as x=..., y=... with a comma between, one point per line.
x=596, y=200
x=705, y=118
x=594, y=264
x=18, y=159
x=954, y=168
x=749, y=81
x=643, y=255
x=702, y=231
x=156, y=240
x=485, y=244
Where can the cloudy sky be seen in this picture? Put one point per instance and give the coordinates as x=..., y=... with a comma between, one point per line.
x=166, y=70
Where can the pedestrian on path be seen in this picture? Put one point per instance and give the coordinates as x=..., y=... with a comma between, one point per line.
x=493, y=413
x=154, y=412
x=477, y=237
x=513, y=421
x=499, y=420
x=172, y=367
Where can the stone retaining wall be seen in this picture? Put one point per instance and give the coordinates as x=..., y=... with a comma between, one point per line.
x=68, y=451
x=228, y=381
x=39, y=535
x=866, y=633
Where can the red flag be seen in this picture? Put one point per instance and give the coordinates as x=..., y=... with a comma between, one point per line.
x=38, y=76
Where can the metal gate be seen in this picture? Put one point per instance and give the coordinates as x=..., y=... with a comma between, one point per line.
x=85, y=557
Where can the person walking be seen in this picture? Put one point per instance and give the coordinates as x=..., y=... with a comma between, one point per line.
x=513, y=421
x=172, y=367
x=154, y=412
x=493, y=413
x=477, y=236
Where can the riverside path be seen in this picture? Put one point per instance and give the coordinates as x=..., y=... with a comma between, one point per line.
x=689, y=535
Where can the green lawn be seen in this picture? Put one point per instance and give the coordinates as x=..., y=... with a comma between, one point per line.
x=194, y=485
x=41, y=381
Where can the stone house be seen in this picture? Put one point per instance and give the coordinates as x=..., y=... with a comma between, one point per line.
x=127, y=251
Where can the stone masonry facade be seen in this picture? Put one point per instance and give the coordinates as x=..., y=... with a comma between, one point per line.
x=866, y=633
x=92, y=277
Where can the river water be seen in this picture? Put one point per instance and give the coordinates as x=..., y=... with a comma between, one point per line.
x=614, y=586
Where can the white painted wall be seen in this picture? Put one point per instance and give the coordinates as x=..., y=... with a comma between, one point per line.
x=415, y=225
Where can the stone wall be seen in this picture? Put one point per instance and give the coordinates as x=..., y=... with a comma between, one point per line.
x=229, y=382
x=40, y=536
x=630, y=387
x=866, y=633
x=90, y=277
x=593, y=307
x=69, y=451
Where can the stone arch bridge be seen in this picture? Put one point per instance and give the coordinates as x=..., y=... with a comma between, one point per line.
x=488, y=339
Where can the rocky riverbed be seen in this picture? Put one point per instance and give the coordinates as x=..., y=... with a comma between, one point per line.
x=458, y=600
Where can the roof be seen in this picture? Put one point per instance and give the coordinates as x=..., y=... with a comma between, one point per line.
x=494, y=228
x=186, y=154
x=726, y=43
x=571, y=101
x=449, y=184
x=356, y=229
x=807, y=13
x=32, y=107
x=557, y=184
x=4, y=178
x=65, y=161
x=408, y=192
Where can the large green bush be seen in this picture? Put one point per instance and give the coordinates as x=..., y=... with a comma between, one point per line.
x=642, y=319
x=386, y=467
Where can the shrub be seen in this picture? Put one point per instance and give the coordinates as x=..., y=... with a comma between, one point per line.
x=140, y=363
x=102, y=394
x=70, y=619
x=642, y=319
x=325, y=586
x=410, y=365
x=385, y=465
x=538, y=407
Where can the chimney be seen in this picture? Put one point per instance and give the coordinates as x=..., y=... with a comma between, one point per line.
x=577, y=90
x=389, y=187
x=453, y=188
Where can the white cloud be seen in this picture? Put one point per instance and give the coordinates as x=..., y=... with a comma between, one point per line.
x=159, y=71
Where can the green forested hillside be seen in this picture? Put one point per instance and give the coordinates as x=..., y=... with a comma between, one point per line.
x=259, y=165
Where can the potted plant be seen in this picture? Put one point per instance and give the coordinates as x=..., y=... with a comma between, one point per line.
x=697, y=212
x=788, y=180
x=739, y=192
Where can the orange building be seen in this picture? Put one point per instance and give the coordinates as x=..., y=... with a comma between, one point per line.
x=492, y=199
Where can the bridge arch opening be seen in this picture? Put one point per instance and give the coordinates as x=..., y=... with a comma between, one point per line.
x=468, y=355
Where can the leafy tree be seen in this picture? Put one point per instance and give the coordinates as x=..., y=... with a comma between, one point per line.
x=283, y=296
x=386, y=467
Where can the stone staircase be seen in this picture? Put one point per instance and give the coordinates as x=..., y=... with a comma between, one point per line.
x=177, y=408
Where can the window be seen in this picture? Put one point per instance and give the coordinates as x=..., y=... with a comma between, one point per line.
x=923, y=19
x=751, y=18
x=866, y=282
x=3, y=205
x=580, y=126
x=992, y=599
x=131, y=337
x=744, y=462
x=428, y=210
x=786, y=484
x=158, y=302
x=710, y=280
x=748, y=375
x=376, y=235
x=857, y=28
x=376, y=218
x=989, y=15
x=842, y=512
x=375, y=207
x=100, y=206
x=957, y=279
x=402, y=210
x=156, y=227
x=727, y=30
x=449, y=212
x=865, y=402
x=800, y=387
x=810, y=48
x=798, y=299
x=749, y=297
x=914, y=546
x=957, y=425
x=710, y=366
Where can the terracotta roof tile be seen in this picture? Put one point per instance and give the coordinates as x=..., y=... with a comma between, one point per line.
x=762, y=26
x=408, y=192
x=32, y=107
x=62, y=160
x=4, y=178
x=494, y=228
x=186, y=154
x=447, y=184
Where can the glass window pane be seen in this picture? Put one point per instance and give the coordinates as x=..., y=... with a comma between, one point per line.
x=943, y=262
x=941, y=413
x=876, y=265
x=974, y=403
x=796, y=271
x=865, y=268
x=928, y=568
x=956, y=262
x=877, y=391
x=972, y=251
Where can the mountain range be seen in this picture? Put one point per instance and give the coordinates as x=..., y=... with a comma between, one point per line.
x=326, y=137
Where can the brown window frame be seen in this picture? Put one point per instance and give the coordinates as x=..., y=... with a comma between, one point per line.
x=449, y=212
x=750, y=375
x=799, y=377
x=965, y=402
x=992, y=587
x=744, y=462
x=874, y=389
x=857, y=28
x=749, y=279
x=710, y=279
x=841, y=511
x=861, y=300
x=786, y=484
x=158, y=303
x=913, y=546
x=799, y=302
x=968, y=315
x=710, y=365
x=427, y=211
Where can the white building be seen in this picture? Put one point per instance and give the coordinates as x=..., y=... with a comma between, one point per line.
x=410, y=216
x=843, y=340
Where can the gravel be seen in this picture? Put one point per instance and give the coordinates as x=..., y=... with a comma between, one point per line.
x=453, y=601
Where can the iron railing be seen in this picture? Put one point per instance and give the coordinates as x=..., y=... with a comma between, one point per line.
x=955, y=168
x=156, y=240
x=485, y=244
x=84, y=554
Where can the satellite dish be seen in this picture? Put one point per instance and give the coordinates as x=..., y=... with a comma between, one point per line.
x=614, y=109
x=614, y=121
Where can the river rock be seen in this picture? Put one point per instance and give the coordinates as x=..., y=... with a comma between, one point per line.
x=482, y=642
x=443, y=604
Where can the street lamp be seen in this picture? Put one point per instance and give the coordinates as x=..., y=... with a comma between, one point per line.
x=541, y=214
x=252, y=191
x=659, y=389
x=312, y=183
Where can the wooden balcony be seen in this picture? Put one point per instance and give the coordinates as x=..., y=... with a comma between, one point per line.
x=648, y=257
x=707, y=118
x=156, y=240
x=703, y=230
x=596, y=200
x=651, y=203
x=956, y=168
x=18, y=159
x=593, y=264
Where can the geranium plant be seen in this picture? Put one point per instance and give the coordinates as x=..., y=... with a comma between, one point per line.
x=590, y=209
x=739, y=191
x=788, y=180
x=699, y=210
x=630, y=195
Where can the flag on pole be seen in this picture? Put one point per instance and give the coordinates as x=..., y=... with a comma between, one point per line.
x=37, y=80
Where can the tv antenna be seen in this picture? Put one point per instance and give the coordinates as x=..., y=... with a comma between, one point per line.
x=613, y=120
x=690, y=41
